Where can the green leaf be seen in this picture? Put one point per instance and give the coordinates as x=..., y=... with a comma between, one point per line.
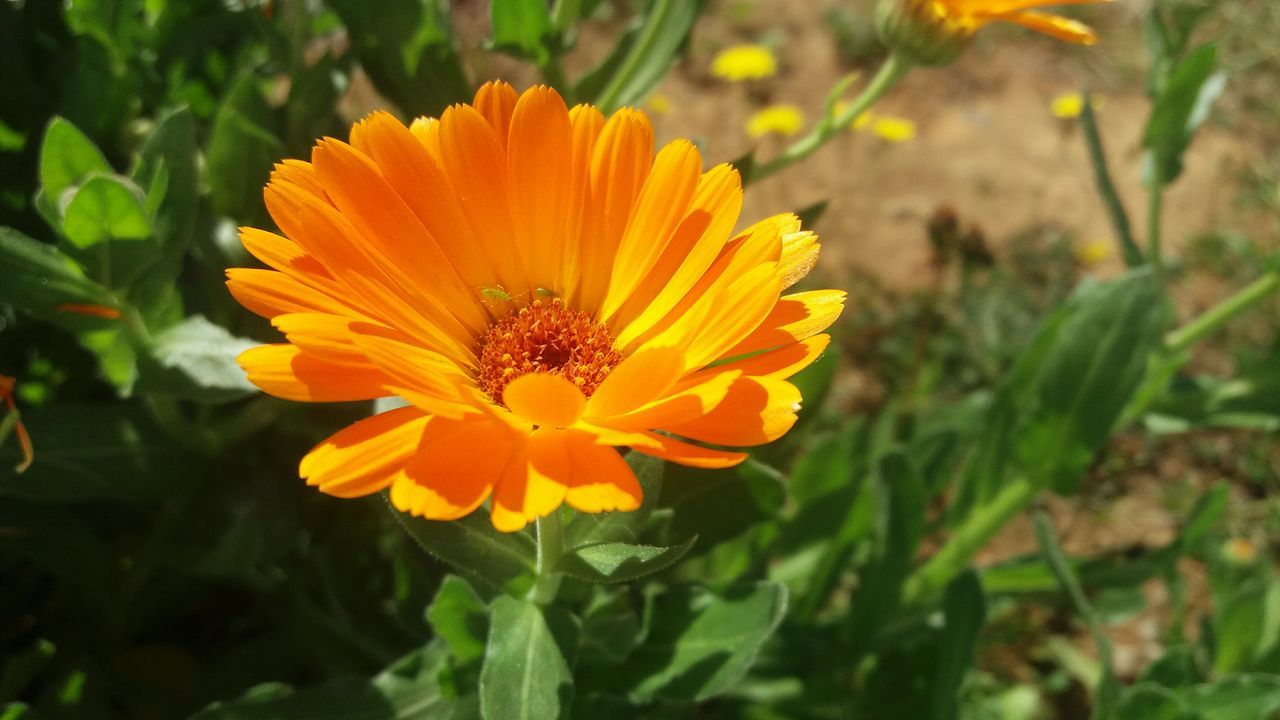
x=610, y=630
x=642, y=57
x=460, y=618
x=1239, y=697
x=521, y=28
x=109, y=230
x=701, y=642
x=1181, y=107
x=241, y=151
x=67, y=157
x=528, y=665
x=408, y=50
x=196, y=360
x=90, y=452
x=38, y=278
x=167, y=167
x=620, y=562
x=502, y=561
x=1150, y=702
x=313, y=96
x=964, y=611
x=720, y=504
x=408, y=690
x=1237, y=629
x=625, y=527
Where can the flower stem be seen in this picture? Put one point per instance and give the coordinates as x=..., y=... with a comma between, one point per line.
x=1155, y=204
x=1217, y=316
x=550, y=548
x=894, y=69
x=1106, y=187
x=982, y=524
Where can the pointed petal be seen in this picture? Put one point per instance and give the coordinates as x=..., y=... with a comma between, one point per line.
x=364, y=457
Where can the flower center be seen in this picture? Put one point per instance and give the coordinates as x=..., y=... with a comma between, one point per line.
x=547, y=337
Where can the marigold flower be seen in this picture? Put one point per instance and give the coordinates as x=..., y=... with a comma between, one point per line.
x=744, y=62
x=775, y=120
x=542, y=290
x=1093, y=253
x=935, y=32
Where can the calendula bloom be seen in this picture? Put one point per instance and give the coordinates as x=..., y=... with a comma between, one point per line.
x=935, y=32
x=542, y=290
x=1068, y=106
x=14, y=420
x=744, y=62
x=775, y=120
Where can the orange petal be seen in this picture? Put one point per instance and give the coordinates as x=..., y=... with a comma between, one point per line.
x=528, y=493
x=364, y=457
x=799, y=256
x=586, y=123
x=421, y=183
x=662, y=203
x=639, y=379
x=596, y=477
x=620, y=163
x=780, y=363
x=427, y=379
x=1055, y=26
x=456, y=468
x=794, y=318
x=269, y=293
x=738, y=311
x=539, y=157
x=394, y=239
x=286, y=372
x=755, y=411
x=284, y=255
x=691, y=401
x=544, y=399
x=694, y=246
x=688, y=454
x=496, y=101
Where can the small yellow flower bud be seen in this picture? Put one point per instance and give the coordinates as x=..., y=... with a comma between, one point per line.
x=922, y=31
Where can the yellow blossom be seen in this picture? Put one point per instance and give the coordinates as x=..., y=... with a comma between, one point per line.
x=1093, y=253
x=659, y=104
x=776, y=120
x=893, y=129
x=1069, y=105
x=1240, y=551
x=744, y=62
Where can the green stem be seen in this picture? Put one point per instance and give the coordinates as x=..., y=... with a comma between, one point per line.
x=550, y=548
x=1217, y=316
x=1155, y=202
x=894, y=69
x=927, y=583
x=1106, y=187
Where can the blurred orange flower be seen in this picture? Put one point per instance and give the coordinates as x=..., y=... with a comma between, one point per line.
x=934, y=32
x=7, y=384
x=541, y=290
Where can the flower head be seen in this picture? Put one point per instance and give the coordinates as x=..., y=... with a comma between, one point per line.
x=744, y=62
x=775, y=120
x=542, y=290
x=893, y=129
x=1069, y=106
x=935, y=32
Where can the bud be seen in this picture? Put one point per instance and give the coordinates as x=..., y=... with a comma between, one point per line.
x=922, y=31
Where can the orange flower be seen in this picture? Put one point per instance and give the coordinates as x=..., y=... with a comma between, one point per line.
x=934, y=32
x=24, y=440
x=541, y=289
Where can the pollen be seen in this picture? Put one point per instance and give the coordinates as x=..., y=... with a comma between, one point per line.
x=549, y=337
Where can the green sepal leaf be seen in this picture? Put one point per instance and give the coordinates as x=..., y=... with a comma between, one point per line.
x=700, y=642
x=502, y=561
x=528, y=661
x=460, y=618
x=620, y=562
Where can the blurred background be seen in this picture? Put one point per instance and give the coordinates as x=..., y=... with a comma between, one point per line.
x=160, y=553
